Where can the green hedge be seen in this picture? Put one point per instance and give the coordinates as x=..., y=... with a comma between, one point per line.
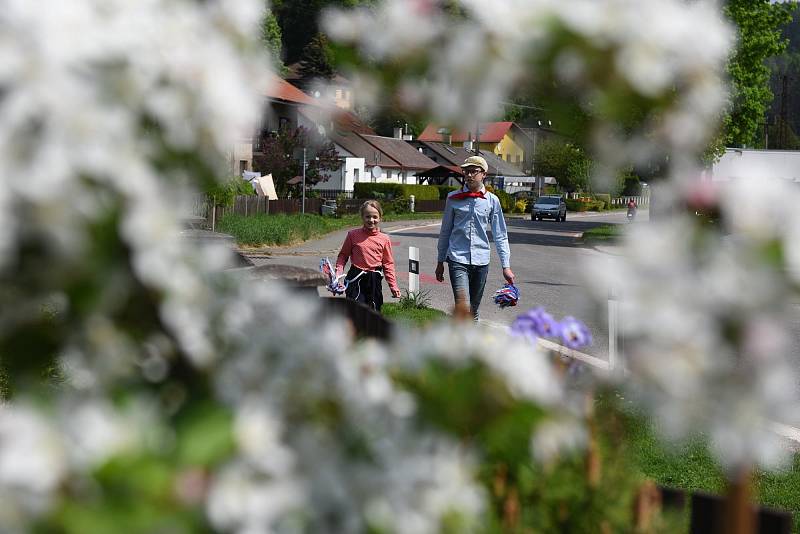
x=391, y=191
x=605, y=198
x=577, y=205
x=445, y=190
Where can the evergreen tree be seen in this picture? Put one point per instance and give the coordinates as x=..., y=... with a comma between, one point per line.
x=271, y=36
x=317, y=59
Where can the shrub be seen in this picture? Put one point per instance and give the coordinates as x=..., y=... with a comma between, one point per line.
x=382, y=191
x=605, y=198
x=506, y=200
x=583, y=204
x=224, y=193
x=521, y=206
x=392, y=191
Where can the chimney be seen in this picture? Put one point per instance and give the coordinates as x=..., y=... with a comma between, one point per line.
x=398, y=133
x=408, y=137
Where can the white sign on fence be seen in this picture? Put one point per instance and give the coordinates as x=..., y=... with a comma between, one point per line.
x=265, y=187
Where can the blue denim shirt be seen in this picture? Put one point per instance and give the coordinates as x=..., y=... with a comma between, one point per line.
x=464, y=237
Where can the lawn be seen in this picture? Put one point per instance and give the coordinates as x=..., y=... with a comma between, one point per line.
x=691, y=467
x=413, y=308
x=606, y=233
x=418, y=316
x=283, y=229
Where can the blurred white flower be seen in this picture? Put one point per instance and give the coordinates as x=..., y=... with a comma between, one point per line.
x=242, y=499
x=33, y=462
x=473, y=63
x=553, y=438
x=706, y=317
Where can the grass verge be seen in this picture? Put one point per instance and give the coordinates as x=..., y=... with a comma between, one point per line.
x=283, y=229
x=691, y=467
x=606, y=233
x=416, y=316
x=413, y=308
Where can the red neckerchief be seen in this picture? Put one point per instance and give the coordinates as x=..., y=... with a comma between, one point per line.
x=468, y=194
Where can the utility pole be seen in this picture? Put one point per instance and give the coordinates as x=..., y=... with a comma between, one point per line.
x=303, y=205
x=478, y=138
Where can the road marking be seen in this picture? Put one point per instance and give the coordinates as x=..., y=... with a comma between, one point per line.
x=555, y=233
x=406, y=228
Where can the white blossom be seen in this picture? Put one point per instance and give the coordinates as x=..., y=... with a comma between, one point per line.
x=706, y=317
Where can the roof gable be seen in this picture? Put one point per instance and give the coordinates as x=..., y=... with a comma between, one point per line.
x=280, y=89
x=491, y=132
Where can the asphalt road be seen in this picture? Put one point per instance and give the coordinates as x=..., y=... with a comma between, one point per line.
x=546, y=256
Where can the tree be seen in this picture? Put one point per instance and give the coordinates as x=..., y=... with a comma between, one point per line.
x=279, y=158
x=317, y=59
x=271, y=36
x=566, y=162
x=758, y=24
x=299, y=21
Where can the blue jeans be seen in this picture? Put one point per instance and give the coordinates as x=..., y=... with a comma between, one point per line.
x=468, y=280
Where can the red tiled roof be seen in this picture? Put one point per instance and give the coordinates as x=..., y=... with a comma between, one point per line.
x=491, y=132
x=280, y=89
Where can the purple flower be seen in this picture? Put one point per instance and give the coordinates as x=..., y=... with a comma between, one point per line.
x=574, y=333
x=535, y=323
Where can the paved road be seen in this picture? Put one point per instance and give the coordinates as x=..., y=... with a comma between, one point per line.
x=547, y=259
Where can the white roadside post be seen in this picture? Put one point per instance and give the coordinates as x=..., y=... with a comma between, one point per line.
x=613, y=319
x=413, y=270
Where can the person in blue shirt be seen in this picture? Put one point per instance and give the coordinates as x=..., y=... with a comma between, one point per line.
x=464, y=240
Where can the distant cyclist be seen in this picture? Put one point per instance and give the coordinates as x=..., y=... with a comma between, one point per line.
x=631, y=209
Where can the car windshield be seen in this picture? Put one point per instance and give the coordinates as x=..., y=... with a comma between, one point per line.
x=548, y=200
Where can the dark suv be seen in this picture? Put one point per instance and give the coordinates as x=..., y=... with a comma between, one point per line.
x=549, y=206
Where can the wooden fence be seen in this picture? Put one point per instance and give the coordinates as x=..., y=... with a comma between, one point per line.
x=707, y=513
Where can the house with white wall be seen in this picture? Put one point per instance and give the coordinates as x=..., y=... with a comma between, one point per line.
x=367, y=157
x=745, y=163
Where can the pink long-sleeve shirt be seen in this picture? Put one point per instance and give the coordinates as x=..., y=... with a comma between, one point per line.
x=368, y=250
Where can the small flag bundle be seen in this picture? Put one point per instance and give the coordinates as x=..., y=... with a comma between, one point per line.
x=333, y=285
x=508, y=295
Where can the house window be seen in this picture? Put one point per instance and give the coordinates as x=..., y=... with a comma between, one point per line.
x=372, y=178
x=283, y=123
x=338, y=94
x=516, y=158
x=403, y=177
x=508, y=158
x=242, y=166
x=355, y=174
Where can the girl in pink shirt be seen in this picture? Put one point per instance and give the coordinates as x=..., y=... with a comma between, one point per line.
x=370, y=254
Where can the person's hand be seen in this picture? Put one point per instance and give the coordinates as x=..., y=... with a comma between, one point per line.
x=508, y=274
x=396, y=293
x=440, y=271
